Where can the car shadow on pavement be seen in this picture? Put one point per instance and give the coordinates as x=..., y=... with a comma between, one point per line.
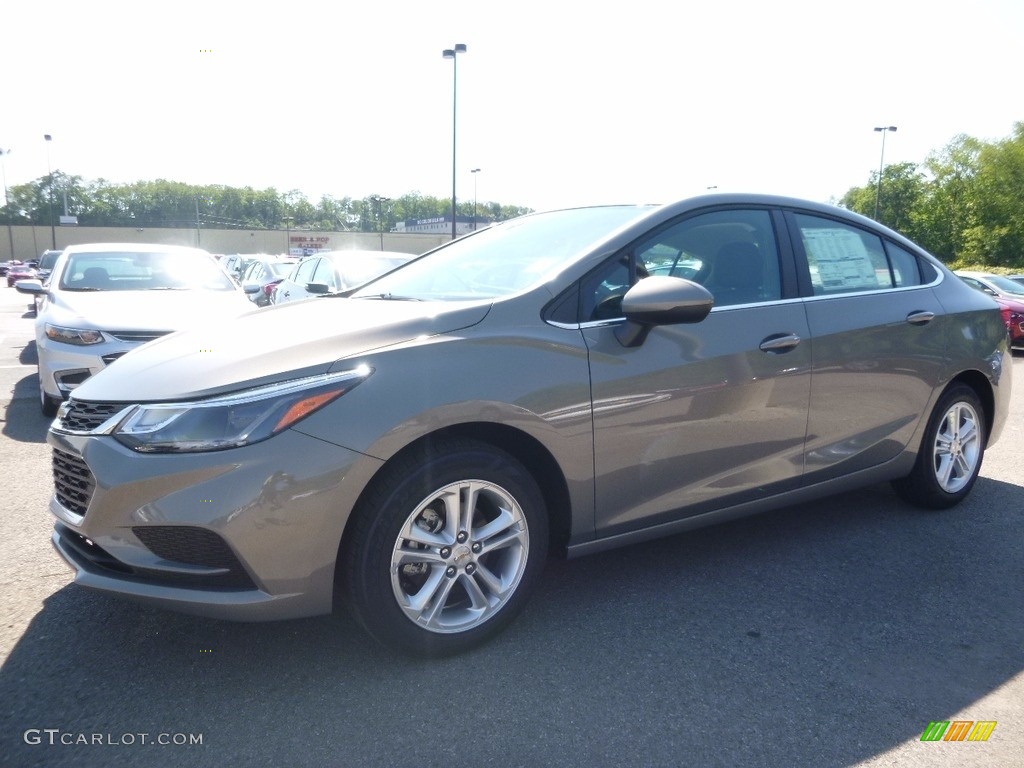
x=824, y=634
x=22, y=419
x=29, y=355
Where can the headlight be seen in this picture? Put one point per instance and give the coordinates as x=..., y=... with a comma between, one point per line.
x=230, y=421
x=79, y=336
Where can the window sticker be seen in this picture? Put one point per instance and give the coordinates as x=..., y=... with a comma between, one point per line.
x=842, y=261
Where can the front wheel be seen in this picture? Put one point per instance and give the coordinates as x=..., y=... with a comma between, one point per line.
x=48, y=405
x=951, y=452
x=444, y=552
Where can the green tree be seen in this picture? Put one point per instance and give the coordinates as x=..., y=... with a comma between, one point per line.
x=995, y=235
x=899, y=198
x=950, y=210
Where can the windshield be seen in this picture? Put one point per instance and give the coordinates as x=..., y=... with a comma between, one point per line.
x=143, y=271
x=504, y=258
x=280, y=268
x=48, y=259
x=1006, y=285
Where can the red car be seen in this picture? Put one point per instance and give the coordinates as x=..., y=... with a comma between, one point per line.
x=1013, y=316
x=1007, y=293
x=20, y=272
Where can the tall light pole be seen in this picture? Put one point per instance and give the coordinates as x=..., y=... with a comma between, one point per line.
x=380, y=222
x=3, y=169
x=881, y=164
x=199, y=236
x=288, y=234
x=452, y=53
x=475, y=171
x=49, y=175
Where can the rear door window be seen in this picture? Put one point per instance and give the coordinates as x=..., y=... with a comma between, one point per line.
x=842, y=258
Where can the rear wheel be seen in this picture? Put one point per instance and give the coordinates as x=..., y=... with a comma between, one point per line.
x=444, y=552
x=951, y=452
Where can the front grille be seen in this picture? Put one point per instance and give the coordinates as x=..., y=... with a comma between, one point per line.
x=85, y=417
x=73, y=481
x=136, y=337
x=195, y=546
x=108, y=359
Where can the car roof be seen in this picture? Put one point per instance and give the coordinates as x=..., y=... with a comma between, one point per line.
x=132, y=248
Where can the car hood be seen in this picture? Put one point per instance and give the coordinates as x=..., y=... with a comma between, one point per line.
x=269, y=345
x=156, y=311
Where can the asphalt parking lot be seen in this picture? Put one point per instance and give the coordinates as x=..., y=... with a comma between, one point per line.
x=827, y=634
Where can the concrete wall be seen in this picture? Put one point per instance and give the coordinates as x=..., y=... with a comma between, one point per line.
x=26, y=243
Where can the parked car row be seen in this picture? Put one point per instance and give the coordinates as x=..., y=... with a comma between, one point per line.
x=262, y=274
x=1008, y=293
x=567, y=382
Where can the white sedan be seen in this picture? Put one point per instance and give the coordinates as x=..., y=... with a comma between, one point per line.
x=105, y=299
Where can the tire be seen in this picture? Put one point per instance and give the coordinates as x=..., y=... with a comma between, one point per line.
x=951, y=452
x=48, y=405
x=445, y=549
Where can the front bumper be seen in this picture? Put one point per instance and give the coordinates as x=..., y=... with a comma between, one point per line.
x=62, y=367
x=245, y=534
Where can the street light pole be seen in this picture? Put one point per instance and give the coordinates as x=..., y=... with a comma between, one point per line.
x=199, y=236
x=3, y=169
x=288, y=235
x=49, y=176
x=452, y=53
x=10, y=231
x=475, y=171
x=881, y=164
x=380, y=222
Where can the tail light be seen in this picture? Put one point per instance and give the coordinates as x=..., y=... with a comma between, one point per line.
x=268, y=289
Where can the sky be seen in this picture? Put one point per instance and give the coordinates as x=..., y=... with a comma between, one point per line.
x=559, y=103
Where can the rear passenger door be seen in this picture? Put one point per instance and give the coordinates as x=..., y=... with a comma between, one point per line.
x=876, y=344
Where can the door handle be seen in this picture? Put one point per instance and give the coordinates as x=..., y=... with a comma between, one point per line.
x=779, y=343
x=921, y=317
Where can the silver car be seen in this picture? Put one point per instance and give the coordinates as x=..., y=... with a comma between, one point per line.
x=546, y=385
x=335, y=271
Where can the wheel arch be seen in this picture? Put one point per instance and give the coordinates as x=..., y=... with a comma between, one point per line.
x=526, y=449
x=983, y=389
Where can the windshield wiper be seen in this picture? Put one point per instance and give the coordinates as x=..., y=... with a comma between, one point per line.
x=389, y=297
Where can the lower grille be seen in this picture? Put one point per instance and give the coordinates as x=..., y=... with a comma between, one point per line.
x=195, y=546
x=92, y=557
x=73, y=481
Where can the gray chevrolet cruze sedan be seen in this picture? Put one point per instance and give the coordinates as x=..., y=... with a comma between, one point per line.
x=564, y=382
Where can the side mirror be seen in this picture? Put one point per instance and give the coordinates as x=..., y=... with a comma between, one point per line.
x=318, y=288
x=251, y=288
x=30, y=285
x=661, y=301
